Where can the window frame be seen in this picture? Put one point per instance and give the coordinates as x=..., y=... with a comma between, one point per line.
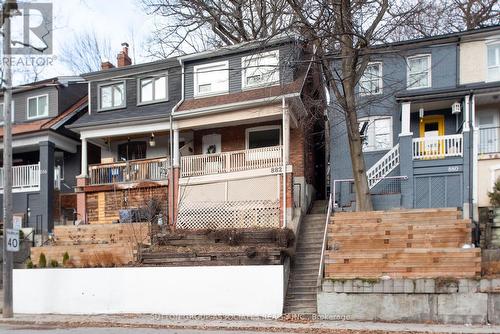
x=429, y=71
x=107, y=84
x=494, y=43
x=371, y=136
x=244, y=84
x=12, y=112
x=262, y=128
x=37, y=111
x=380, y=80
x=225, y=69
x=154, y=77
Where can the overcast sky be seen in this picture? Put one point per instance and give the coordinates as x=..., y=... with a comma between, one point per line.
x=119, y=20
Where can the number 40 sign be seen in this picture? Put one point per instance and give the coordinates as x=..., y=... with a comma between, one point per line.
x=12, y=240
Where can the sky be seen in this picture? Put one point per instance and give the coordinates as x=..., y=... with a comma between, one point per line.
x=118, y=20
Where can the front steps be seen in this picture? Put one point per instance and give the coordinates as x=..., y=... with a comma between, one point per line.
x=302, y=285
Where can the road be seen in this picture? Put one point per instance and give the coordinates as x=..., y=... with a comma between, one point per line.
x=17, y=329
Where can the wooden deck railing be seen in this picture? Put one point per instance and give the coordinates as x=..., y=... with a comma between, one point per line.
x=24, y=178
x=438, y=147
x=233, y=161
x=129, y=171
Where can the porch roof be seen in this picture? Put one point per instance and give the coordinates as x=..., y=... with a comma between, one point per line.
x=47, y=123
x=448, y=93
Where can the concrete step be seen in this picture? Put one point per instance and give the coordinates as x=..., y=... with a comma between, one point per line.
x=302, y=290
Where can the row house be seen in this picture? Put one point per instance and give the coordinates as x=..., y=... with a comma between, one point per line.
x=45, y=155
x=424, y=107
x=223, y=138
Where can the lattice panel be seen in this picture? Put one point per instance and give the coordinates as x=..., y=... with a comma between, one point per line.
x=228, y=214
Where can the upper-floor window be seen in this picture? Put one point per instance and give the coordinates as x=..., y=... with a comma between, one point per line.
x=112, y=96
x=211, y=78
x=260, y=69
x=494, y=62
x=2, y=112
x=376, y=133
x=370, y=82
x=419, y=72
x=38, y=106
x=153, y=89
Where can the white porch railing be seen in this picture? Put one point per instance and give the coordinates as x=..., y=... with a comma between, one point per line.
x=129, y=171
x=234, y=161
x=383, y=167
x=438, y=147
x=24, y=178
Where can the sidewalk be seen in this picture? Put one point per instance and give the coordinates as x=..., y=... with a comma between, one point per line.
x=198, y=323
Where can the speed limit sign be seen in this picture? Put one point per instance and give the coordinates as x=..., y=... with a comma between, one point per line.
x=12, y=240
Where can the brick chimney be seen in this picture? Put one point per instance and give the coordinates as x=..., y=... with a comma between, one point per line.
x=106, y=65
x=123, y=59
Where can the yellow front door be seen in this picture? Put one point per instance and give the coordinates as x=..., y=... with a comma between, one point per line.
x=431, y=128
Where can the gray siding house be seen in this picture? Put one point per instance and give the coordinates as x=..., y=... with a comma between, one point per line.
x=417, y=121
x=45, y=154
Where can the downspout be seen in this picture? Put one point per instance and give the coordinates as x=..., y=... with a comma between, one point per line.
x=174, y=108
x=89, y=99
x=283, y=109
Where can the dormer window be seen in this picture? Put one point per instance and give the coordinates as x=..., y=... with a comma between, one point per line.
x=153, y=89
x=38, y=106
x=260, y=69
x=211, y=79
x=419, y=72
x=494, y=62
x=112, y=96
x=2, y=112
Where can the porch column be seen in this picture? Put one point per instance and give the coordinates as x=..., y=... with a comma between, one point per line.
x=475, y=153
x=81, y=182
x=173, y=185
x=47, y=201
x=406, y=156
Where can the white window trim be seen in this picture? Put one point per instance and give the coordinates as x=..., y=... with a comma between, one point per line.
x=28, y=107
x=201, y=67
x=261, y=128
x=371, y=120
x=152, y=76
x=105, y=84
x=495, y=42
x=380, y=80
x=429, y=74
x=244, y=85
x=12, y=112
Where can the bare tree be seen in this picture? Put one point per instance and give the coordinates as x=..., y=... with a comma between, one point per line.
x=195, y=25
x=85, y=52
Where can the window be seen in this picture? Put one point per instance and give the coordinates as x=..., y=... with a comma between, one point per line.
x=419, y=72
x=261, y=69
x=263, y=136
x=377, y=134
x=2, y=112
x=38, y=106
x=371, y=80
x=153, y=89
x=493, y=62
x=211, y=78
x=132, y=150
x=112, y=96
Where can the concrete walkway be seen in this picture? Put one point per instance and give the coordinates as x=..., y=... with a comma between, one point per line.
x=298, y=325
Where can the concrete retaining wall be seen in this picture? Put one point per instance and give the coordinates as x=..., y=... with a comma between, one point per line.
x=228, y=290
x=447, y=301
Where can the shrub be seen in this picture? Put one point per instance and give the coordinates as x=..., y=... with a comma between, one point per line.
x=42, y=261
x=54, y=264
x=495, y=194
x=65, y=259
x=29, y=264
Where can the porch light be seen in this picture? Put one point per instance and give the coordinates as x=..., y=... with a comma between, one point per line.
x=152, y=141
x=456, y=108
x=421, y=112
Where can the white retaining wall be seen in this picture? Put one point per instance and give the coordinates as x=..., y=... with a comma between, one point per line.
x=224, y=290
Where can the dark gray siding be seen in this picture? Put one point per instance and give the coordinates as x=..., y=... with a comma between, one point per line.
x=20, y=103
x=288, y=54
x=132, y=110
x=69, y=95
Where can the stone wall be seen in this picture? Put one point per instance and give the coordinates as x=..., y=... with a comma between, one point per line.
x=464, y=301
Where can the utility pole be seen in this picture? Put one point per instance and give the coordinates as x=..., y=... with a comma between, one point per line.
x=7, y=9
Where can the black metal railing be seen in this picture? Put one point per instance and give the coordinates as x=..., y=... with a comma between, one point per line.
x=489, y=140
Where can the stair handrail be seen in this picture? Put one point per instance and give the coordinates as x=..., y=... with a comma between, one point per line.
x=323, y=246
x=383, y=166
